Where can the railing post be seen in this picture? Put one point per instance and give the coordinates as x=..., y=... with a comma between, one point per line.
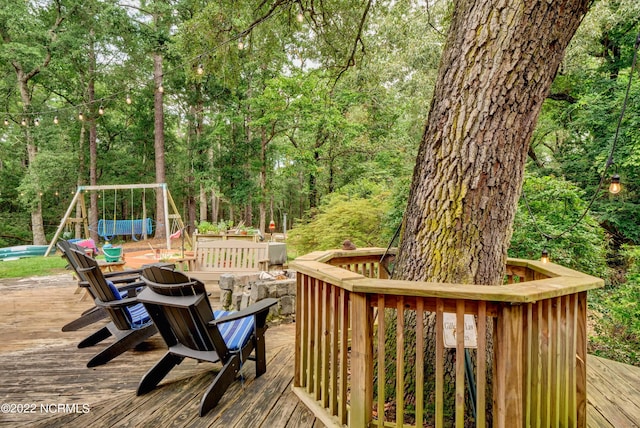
x=509, y=376
x=361, y=361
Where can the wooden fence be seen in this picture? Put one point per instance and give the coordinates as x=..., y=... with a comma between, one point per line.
x=347, y=367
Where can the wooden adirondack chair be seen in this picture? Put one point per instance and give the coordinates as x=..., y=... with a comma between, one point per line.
x=180, y=308
x=130, y=323
x=122, y=280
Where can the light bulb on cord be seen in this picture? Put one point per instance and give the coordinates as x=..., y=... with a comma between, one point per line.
x=240, y=44
x=614, y=186
x=200, y=70
x=101, y=110
x=6, y=122
x=128, y=100
x=55, y=120
x=300, y=17
x=161, y=89
x=36, y=122
x=80, y=116
x=23, y=122
x=544, y=258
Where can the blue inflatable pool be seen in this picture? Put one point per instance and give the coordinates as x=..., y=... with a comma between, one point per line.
x=21, y=251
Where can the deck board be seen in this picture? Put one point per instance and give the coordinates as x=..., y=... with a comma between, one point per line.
x=40, y=364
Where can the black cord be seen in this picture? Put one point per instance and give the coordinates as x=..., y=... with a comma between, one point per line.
x=607, y=165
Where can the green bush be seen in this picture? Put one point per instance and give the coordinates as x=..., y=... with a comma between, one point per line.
x=616, y=313
x=340, y=217
x=556, y=206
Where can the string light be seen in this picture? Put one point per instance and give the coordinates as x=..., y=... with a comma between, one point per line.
x=544, y=258
x=241, y=46
x=36, y=122
x=200, y=70
x=23, y=122
x=101, y=110
x=614, y=186
x=80, y=116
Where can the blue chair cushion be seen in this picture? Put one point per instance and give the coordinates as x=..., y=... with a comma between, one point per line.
x=236, y=333
x=136, y=314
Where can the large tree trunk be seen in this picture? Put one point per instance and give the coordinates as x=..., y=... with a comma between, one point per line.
x=497, y=67
x=158, y=145
x=498, y=64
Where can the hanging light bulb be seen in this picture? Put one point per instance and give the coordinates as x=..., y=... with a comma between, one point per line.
x=80, y=116
x=544, y=258
x=161, y=89
x=300, y=16
x=200, y=69
x=240, y=44
x=23, y=122
x=101, y=110
x=6, y=122
x=55, y=120
x=128, y=100
x=36, y=122
x=614, y=186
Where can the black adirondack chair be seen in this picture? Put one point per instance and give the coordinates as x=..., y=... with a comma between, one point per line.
x=122, y=280
x=181, y=310
x=130, y=323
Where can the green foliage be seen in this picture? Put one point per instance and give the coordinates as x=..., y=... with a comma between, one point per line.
x=556, y=205
x=617, y=315
x=359, y=218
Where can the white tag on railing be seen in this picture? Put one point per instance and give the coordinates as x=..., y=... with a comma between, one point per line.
x=470, y=332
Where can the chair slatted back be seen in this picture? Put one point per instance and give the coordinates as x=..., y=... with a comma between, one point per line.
x=89, y=269
x=178, y=322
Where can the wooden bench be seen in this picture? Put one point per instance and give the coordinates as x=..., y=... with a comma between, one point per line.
x=213, y=258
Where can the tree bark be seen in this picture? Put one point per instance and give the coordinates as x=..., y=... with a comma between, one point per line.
x=497, y=67
x=158, y=143
x=93, y=142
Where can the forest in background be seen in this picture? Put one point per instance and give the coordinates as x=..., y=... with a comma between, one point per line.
x=285, y=108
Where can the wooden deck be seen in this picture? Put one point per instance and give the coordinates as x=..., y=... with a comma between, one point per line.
x=42, y=371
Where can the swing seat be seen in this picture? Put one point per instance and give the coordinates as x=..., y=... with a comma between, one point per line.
x=108, y=229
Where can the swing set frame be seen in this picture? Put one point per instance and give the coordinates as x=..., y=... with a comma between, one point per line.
x=78, y=197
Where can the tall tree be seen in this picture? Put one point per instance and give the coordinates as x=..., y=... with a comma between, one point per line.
x=28, y=38
x=498, y=64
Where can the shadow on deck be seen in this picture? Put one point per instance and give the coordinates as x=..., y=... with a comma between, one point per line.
x=44, y=375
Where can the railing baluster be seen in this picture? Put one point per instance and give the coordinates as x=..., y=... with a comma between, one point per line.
x=335, y=324
x=400, y=362
x=344, y=354
x=419, y=362
x=459, y=400
x=481, y=375
x=439, y=363
x=381, y=360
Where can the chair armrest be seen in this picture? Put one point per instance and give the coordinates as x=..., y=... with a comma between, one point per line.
x=129, y=301
x=256, y=308
x=129, y=273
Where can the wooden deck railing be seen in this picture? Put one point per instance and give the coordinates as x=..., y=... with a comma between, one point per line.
x=346, y=366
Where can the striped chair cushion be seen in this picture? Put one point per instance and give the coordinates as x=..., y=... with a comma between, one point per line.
x=136, y=314
x=236, y=333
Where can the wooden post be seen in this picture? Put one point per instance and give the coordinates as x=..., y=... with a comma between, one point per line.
x=508, y=345
x=361, y=360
